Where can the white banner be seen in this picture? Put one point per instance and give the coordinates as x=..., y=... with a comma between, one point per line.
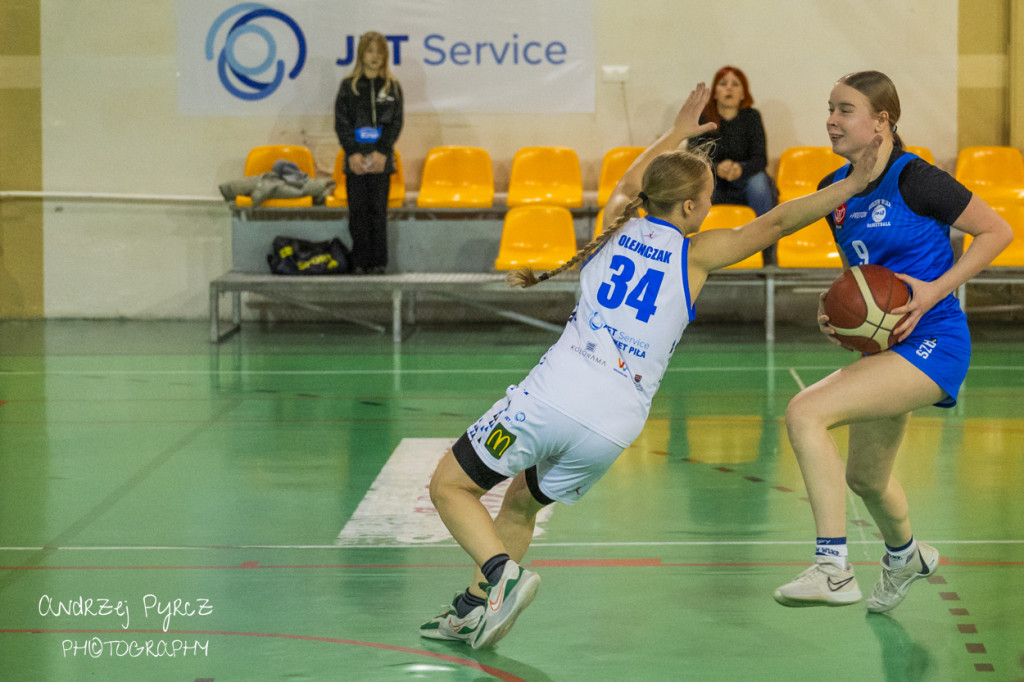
x=288, y=56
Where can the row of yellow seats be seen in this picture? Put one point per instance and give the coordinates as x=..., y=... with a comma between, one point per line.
x=462, y=177
x=261, y=160
x=994, y=173
x=543, y=236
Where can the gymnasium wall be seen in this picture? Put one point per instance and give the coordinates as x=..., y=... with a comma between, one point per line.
x=88, y=104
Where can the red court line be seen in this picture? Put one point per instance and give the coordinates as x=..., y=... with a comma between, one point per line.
x=500, y=674
x=247, y=565
x=593, y=563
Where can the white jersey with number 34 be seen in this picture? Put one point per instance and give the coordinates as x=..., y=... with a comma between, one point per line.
x=609, y=362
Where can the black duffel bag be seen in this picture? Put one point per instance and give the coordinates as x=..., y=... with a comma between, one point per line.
x=291, y=256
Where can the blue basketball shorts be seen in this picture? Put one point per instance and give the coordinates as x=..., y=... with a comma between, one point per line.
x=942, y=350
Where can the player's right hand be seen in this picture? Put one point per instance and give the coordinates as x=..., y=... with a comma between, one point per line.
x=823, y=326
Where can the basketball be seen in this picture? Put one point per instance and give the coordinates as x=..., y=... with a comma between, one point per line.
x=859, y=305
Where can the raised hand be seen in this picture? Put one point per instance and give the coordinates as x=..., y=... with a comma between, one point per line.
x=688, y=119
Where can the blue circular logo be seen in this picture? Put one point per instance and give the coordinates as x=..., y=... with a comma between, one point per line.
x=249, y=81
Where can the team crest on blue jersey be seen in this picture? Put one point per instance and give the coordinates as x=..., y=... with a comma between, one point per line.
x=839, y=215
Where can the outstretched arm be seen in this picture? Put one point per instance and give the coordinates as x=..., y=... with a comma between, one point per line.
x=686, y=125
x=716, y=249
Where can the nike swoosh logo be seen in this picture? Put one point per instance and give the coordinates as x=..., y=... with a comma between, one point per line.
x=924, y=566
x=457, y=624
x=835, y=586
x=495, y=604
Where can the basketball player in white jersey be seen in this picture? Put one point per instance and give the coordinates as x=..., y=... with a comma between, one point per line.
x=558, y=431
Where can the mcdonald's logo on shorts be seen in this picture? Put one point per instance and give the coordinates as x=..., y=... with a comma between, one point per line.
x=499, y=441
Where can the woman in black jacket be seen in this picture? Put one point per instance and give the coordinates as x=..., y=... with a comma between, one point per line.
x=740, y=153
x=368, y=120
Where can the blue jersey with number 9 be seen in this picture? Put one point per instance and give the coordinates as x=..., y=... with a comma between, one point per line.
x=878, y=228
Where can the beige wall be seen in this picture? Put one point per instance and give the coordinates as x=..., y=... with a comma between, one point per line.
x=88, y=104
x=21, y=223
x=1015, y=77
x=983, y=80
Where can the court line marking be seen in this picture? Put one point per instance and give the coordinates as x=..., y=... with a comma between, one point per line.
x=346, y=372
x=469, y=663
x=452, y=545
x=796, y=378
x=397, y=506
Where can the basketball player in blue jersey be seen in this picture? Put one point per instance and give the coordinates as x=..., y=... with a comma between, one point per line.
x=901, y=221
x=560, y=429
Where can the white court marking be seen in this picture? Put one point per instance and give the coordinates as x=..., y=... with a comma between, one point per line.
x=641, y=543
x=397, y=509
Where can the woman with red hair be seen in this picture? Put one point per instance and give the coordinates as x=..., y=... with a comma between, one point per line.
x=739, y=153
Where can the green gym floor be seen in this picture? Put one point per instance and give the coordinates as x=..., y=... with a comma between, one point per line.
x=258, y=510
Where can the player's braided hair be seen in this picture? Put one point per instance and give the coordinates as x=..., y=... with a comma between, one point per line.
x=671, y=178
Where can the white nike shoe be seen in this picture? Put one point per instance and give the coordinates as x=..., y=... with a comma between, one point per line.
x=506, y=599
x=449, y=625
x=894, y=582
x=823, y=584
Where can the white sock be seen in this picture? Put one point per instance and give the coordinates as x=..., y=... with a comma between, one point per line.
x=901, y=556
x=832, y=550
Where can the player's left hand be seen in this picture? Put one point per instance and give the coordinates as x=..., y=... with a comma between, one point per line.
x=923, y=297
x=688, y=119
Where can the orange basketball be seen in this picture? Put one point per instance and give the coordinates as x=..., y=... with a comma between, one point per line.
x=859, y=306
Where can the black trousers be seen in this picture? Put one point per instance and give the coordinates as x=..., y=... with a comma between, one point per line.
x=368, y=218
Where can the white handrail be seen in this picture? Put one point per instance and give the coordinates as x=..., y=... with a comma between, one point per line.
x=111, y=197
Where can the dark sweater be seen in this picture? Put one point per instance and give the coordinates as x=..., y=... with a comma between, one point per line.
x=741, y=140
x=352, y=110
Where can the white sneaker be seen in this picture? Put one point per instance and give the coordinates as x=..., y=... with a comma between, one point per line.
x=506, y=599
x=893, y=583
x=823, y=584
x=448, y=625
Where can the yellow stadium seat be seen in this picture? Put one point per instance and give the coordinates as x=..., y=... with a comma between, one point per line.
x=457, y=177
x=613, y=167
x=1013, y=255
x=802, y=168
x=923, y=152
x=261, y=160
x=811, y=247
x=542, y=237
x=396, y=190
x=545, y=175
x=727, y=216
x=996, y=174
x=800, y=171
x=599, y=223
x=340, y=196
